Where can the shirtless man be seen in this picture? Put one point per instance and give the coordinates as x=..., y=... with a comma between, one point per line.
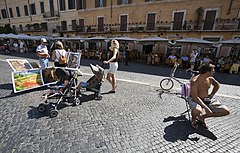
x=200, y=98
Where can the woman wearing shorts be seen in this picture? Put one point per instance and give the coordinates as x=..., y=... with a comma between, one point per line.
x=113, y=64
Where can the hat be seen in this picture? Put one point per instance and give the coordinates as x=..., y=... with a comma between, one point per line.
x=43, y=40
x=114, y=44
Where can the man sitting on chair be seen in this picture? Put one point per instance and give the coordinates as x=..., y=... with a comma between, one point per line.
x=200, y=99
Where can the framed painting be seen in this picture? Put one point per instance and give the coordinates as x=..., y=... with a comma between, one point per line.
x=19, y=64
x=73, y=60
x=26, y=80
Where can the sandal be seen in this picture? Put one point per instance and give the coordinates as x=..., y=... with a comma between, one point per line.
x=194, y=125
x=202, y=123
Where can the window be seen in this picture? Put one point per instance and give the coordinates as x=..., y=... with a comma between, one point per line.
x=81, y=25
x=32, y=9
x=26, y=10
x=123, y=23
x=51, y=5
x=71, y=4
x=149, y=0
x=20, y=27
x=238, y=27
x=178, y=20
x=121, y=2
x=18, y=12
x=100, y=24
x=64, y=25
x=42, y=7
x=14, y=28
x=10, y=12
x=100, y=3
x=74, y=24
x=209, y=20
x=62, y=5
x=4, y=13
x=81, y=4
x=44, y=26
x=151, y=21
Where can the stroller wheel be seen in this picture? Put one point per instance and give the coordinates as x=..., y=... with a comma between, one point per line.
x=77, y=102
x=41, y=108
x=99, y=97
x=53, y=113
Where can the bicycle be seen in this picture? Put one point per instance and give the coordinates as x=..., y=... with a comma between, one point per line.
x=167, y=83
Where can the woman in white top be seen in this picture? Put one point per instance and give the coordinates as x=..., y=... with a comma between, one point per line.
x=58, y=54
x=193, y=57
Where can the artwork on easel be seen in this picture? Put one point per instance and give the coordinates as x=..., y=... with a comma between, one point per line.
x=19, y=64
x=74, y=60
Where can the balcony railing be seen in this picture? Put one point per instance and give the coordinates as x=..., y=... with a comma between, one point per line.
x=159, y=26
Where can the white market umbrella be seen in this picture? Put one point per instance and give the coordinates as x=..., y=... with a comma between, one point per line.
x=195, y=41
x=70, y=38
x=97, y=38
x=125, y=39
x=231, y=42
x=152, y=40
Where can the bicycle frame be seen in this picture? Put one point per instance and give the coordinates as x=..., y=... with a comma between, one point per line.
x=173, y=73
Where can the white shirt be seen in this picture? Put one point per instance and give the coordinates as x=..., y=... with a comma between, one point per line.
x=42, y=49
x=21, y=44
x=60, y=52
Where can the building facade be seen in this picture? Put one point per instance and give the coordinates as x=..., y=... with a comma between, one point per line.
x=212, y=20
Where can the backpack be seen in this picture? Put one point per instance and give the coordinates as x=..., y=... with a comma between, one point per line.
x=185, y=89
x=62, y=59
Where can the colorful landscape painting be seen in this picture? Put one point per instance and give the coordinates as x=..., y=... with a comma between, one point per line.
x=25, y=80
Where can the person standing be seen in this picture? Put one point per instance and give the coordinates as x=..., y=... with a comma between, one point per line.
x=200, y=98
x=59, y=55
x=21, y=46
x=193, y=57
x=127, y=54
x=113, y=64
x=42, y=53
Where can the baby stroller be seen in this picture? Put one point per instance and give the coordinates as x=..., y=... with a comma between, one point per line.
x=64, y=91
x=95, y=82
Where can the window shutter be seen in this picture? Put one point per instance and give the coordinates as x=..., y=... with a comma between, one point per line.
x=104, y=3
x=119, y=2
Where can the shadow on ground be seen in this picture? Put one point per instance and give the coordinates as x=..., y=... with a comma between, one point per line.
x=34, y=113
x=181, y=129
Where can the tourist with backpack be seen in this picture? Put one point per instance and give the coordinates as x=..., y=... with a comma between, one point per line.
x=59, y=55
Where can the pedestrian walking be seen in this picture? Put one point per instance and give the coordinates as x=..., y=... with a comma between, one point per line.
x=42, y=53
x=113, y=64
x=59, y=55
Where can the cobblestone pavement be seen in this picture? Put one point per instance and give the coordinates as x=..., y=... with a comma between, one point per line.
x=134, y=119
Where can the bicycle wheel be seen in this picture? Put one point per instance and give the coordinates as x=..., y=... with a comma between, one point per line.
x=166, y=84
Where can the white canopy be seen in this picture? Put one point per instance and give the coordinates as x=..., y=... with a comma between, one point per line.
x=194, y=41
x=231, y=42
